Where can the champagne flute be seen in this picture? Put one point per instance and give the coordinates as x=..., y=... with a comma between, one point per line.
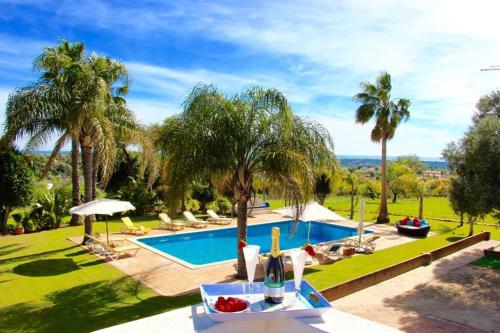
x=298, y=262
x=251, y=253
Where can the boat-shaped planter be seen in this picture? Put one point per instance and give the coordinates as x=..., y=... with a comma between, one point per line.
x=309, y=303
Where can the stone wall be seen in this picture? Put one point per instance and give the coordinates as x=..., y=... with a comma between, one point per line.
x=368, y=280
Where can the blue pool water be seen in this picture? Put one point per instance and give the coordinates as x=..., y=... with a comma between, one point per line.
x=210, y=246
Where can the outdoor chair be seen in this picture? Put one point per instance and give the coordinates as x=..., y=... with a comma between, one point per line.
x=131, y=228
x=193, y=222
x=114, y=250
x=367, y=244
x=167, y=223
x=216, y=219
x=330, y=251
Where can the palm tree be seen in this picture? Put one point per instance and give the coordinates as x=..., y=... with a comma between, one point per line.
x=40, y=109
x=110, y=125
x=82, y=98
x=376, y=103
x=252, y=134
x=352, y=182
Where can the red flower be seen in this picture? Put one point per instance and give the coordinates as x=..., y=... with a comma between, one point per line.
x=242, y=244
x=309, y=249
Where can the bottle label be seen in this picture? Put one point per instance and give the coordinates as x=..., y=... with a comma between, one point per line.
x=274, y=292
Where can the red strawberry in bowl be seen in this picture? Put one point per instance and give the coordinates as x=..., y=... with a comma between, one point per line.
x=231, y=304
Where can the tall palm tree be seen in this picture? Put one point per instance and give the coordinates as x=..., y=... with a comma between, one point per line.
x=376, y=103
x=110, y=125
x=252, y=134
x=82, y=98
x=39, y=110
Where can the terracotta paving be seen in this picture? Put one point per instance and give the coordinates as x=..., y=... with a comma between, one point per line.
x=448, y=296
x=170, y=278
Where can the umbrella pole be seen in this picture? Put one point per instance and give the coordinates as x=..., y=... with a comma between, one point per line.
x=308, y=231
x=361, y=217
x=107, y=232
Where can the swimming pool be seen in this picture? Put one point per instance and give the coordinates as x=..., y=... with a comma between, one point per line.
x=200, y=248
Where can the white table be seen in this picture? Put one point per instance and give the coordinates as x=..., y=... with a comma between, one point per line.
x=194, y=319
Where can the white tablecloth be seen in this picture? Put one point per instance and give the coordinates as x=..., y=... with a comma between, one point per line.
x=194, y=319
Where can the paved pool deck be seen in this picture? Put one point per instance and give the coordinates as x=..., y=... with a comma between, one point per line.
x=170, y=278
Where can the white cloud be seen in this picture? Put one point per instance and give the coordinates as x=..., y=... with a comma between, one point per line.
x=433, y=49
x=4, y=94
x=151, y=111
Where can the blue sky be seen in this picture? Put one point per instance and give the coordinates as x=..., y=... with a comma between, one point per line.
x=316, y=52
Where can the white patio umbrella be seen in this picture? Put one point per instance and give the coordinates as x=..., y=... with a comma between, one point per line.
x=361, y=217
x=102, y=207
x=313, y=211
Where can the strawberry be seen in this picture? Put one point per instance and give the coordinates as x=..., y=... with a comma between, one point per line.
x=242, y=244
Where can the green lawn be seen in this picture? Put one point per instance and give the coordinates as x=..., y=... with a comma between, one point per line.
x=47, y=284
x=490, y=262
x=434, y=207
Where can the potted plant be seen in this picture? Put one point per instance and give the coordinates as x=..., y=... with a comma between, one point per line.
x=349, y=251
x=19, y=230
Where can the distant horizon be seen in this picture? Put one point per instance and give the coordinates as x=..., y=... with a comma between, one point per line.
x=340, y=156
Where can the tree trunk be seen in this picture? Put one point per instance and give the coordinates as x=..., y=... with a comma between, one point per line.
x=183, y=204
x=394, y=196
x=420, y=206
x=233, y=208
x=461, y=218
x=383, y=216
x=87, y=179
x=95, y=169
x=351, y=216
x=471, y=225
x=242, y=234
x=75, y=179
x=4, y=212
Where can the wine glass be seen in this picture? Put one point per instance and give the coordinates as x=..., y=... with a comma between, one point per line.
x=251, y=253
x=298, y=262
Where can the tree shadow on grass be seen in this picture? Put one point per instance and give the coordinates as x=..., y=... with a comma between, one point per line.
x=46, y=267
x=10, y=248
x=36, y=255
x=89, y=307
x=454, y=239
x=93, y=263
x=77, y=253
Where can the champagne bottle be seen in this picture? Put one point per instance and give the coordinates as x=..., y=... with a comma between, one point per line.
x=274, y=280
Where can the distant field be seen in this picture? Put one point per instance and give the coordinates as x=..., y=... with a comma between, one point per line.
x=434, y=207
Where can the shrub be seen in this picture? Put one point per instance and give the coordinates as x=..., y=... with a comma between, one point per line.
x=137, y=193
x=16, y=184
x=224, y=205
x=192, y=205
x=51, y=206
x=221, y=205
x=205, y=194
